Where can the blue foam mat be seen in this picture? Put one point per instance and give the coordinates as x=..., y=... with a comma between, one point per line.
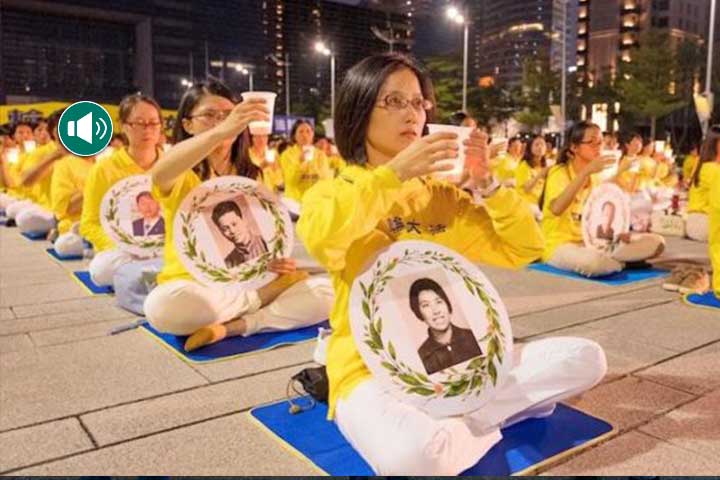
x=614, y=279
x=236, y=346
x=63, y=258
x=524, y=445
x=707, y=299
x=83, y=277
x=34, y=236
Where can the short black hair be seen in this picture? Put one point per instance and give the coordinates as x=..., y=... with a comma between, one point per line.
x=458, y=117
x=20, y=123
x=423, y=284
x=358, y=95
x=225, y=207
x=53, y=120
x=142, y=194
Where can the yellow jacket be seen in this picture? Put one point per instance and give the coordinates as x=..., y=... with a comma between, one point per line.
x=68, y=178
x=103, y=175
x=714, y=240
x=299, y=175
x=347, y=220
x=688, y=167
x=523, y=174
x=39, y=192
x=699, y=196
x=566, y=227
x=503, y=167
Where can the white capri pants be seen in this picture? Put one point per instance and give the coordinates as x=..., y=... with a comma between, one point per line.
x=594, y=263
x=35, y=219
x=395, y=438
x=181, y=307
x=697, y=227
x=104, y=264
x=68, y=244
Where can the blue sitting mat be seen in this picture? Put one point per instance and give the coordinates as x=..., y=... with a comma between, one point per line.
x=706, y=300
x=34, y=236
x=83, y=278
x=524, y=447
x=63, y=258
x=617, y=279
x=233, y=347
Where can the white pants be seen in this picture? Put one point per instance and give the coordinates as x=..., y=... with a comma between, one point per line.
x=398, y=439
x=697, y=227
x=6, y=200
x=181, y=307
x=14, y=208
x=68, y=244
x=35, y=219
x=104, y=264
x=594, y=263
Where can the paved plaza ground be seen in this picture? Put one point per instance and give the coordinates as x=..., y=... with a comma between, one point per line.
x=76, y=401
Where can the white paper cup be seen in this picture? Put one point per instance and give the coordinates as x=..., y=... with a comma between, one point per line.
x=458, y=163
x=308, y=153
x=270, y=156
x=29, y=145
x=262, y=128
x=12, y=155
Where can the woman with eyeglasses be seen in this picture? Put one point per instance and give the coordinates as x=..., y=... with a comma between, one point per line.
x=302, y=164
x=568, y=186
x=211, y=139
x=141, y=121
x=386, y=195
x=702, y=180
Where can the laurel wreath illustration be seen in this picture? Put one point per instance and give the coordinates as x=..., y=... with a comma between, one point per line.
x=113, y=220
x=451, y=382
x=248, y=270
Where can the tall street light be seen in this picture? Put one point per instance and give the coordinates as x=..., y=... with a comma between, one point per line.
x=454, y=15
x=286, y=64
x=708, y=75
x=320, y=47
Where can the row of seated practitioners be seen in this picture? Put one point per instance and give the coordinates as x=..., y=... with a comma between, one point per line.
x=384, y=104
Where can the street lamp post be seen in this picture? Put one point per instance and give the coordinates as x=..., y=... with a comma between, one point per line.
x=711, y=40
x=563, y=59
x=321, y=48
x=454, y=14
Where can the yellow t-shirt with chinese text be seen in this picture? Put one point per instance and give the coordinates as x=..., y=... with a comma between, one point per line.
x=525, y=173
x=300, y=174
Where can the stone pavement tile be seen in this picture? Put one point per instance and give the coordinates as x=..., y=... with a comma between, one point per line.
x=269, y=360
x=6, y=314
x=70, y=379
x=22, y=295
x=125, y=422
x=629, y=401
x=76, y=333
x=100, y=314
x=87, y=303
x=674, y=326
x=624, y=355
x=540, y=322
x=39, y=277
x=40, y=443
x=696, y=372
x=13, y=343
x=695, y=426
x=225, y=446
x=635, y=453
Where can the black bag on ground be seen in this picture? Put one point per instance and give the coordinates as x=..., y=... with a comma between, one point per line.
x=315, y=382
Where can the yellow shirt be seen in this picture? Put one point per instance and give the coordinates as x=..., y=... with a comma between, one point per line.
x=173, y=269
x=13, y=172
x=39, y=192
x=714, y=240
x=103, y=175
x=665, y=176
x=503, y=168
x=337, y=163
x=699, y=196
x=299, y=175
x=272, y=174
x=68, y=178
x=688, y=167
x=348, y=219
x=523, y=174
x=566, y=227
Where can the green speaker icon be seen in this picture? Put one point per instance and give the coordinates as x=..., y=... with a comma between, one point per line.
x=85, y=128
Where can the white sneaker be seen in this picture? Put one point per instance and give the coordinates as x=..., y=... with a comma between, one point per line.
x=320, y=353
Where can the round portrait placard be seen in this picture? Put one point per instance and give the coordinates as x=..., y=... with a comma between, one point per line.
x=228, y=229
x=605, y=217
x=432, y=328
x=132, y=217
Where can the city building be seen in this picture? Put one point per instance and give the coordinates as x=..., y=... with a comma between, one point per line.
x=506, y=34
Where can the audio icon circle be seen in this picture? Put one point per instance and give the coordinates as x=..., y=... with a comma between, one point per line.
x=85, y=128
